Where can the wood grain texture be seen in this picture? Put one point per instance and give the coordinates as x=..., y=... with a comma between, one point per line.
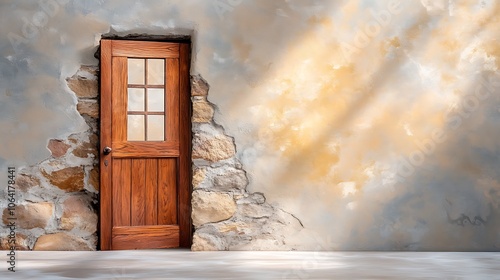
x=121, y=192
x=138, y=189
x=105, y=222
x=151, y=175
x=145, y=237
x=119, y=100
x=185, y=189
x=172, y=100
x=145, y=149
x=167, y=191
x=149, y=183
x=145, y=49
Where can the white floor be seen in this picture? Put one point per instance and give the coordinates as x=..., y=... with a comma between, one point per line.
x=183, y=264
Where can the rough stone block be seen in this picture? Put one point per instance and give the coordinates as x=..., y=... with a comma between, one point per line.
x=31, y=215
x=212, y=147
x=199, y=176
x=94, y=178
x=231, y=179
x=205, y=243
x=85, y=149
x=199, y=87
x=203, y=112
x=94, y=139
x=89, y=108
x=61, y=242
x=25, y=182
x=78, y=214
x=210, y=207
x=68, y=179
x=83, y=88
x=22, y=243
x=57, y=147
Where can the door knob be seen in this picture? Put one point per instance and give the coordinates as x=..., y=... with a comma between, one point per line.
x=107, y=150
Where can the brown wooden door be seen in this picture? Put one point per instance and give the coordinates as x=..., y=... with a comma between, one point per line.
x=145, y=145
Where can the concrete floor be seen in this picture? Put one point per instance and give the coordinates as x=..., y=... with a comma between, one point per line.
x=183, y=264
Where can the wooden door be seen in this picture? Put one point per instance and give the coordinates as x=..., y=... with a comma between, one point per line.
x=145, y=145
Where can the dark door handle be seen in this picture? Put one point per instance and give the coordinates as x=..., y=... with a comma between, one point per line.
x=107, y=150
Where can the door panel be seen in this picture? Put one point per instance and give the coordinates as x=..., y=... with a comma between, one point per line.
x=146, y=191
x=167, y=193
x=138, y=191
x=147, y=237
x=151, y=192
x=145, y=120
x=121, y=191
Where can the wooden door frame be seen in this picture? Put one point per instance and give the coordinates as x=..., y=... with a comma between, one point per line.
x=184, y=162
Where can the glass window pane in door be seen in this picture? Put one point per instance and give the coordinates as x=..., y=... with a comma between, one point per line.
x=135, y=128
x=156, y=71
x=136, y=99
x=136, y=71
x=156, y=99
x=156, y=128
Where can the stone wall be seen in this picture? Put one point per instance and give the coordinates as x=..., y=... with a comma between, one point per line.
x=225, y=215
x=58, y=198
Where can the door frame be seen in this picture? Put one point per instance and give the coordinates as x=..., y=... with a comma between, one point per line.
x=184, y=163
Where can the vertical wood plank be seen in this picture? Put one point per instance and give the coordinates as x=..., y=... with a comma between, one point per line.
x=121, y=192
x=138, y=191
x=167, y=191
x=105, y=186
x=151, y=192
x=117, y=182
x=185, y=189
x=172, y=100
x=119, y=100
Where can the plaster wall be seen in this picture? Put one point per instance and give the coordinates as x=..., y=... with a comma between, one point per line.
x=375, y=123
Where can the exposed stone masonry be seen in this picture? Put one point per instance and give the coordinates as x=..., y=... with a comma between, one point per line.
x=225, y=215
x=58, y=198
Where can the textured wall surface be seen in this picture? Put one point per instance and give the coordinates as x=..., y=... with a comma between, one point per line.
x=57, y=198
x=226, y=216
x=374, y=123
